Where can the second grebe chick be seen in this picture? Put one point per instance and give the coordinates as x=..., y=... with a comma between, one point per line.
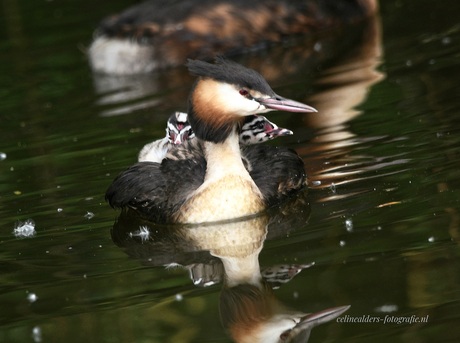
x=216, y=186
x=178, y=130
x=256, y=129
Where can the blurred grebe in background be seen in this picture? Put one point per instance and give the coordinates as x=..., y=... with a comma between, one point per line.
x=157, y=34
x=215, y=185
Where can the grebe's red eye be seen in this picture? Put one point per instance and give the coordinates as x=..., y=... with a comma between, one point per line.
x=244, y=92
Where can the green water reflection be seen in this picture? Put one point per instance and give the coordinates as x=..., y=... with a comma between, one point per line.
x=382, y=156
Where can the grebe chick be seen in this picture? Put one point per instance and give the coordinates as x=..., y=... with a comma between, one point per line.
x=178, y=130
x=256, y=129
x=216, y=186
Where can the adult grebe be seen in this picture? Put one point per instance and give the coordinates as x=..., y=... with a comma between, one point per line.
x=157, y=34
x=256, y=129
x=216, y=186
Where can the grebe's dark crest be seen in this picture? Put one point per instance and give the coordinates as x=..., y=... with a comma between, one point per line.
x=216, y=185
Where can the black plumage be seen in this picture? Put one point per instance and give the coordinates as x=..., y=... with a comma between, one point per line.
x=157, y=191
x=277, y=171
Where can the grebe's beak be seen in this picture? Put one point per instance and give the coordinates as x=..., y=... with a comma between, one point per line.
x=301, y=332
x=272, y=130
x=279, y=132
x=282, y=104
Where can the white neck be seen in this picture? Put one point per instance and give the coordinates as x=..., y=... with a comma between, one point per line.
x=224, y=159
x=242, y=270
x=228, y=190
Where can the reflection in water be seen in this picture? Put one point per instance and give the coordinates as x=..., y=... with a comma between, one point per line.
x=228, y=252
x=345, y=85
x=115, y=90
x=341, y=89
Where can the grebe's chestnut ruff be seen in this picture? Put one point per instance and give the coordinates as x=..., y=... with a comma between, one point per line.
x=255, y=130
x=220, y=187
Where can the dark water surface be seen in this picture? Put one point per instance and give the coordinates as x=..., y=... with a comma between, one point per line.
x=381, y=220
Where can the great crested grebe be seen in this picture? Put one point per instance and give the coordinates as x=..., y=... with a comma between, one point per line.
x=216, y=186
x=157, y=34
x=256, y=129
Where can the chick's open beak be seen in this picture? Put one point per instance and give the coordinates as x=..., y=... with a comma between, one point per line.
x=279, y=132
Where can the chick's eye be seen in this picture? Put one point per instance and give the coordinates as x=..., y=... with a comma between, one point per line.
x=244, y=92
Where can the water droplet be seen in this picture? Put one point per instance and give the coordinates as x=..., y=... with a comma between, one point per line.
x=408, y=63
x=2, y=156
x=349, y=225
x=59, y=210
x=446, y=40
x=89, y=215
x=37, y=334
x=333, y=188
x=431, y=239
x=315, y=183
x=24, y=229
x=179, y=297
x=342, y=243
x=32, y=297
x=317, y=47
x=387, y=308
x=143, y=233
